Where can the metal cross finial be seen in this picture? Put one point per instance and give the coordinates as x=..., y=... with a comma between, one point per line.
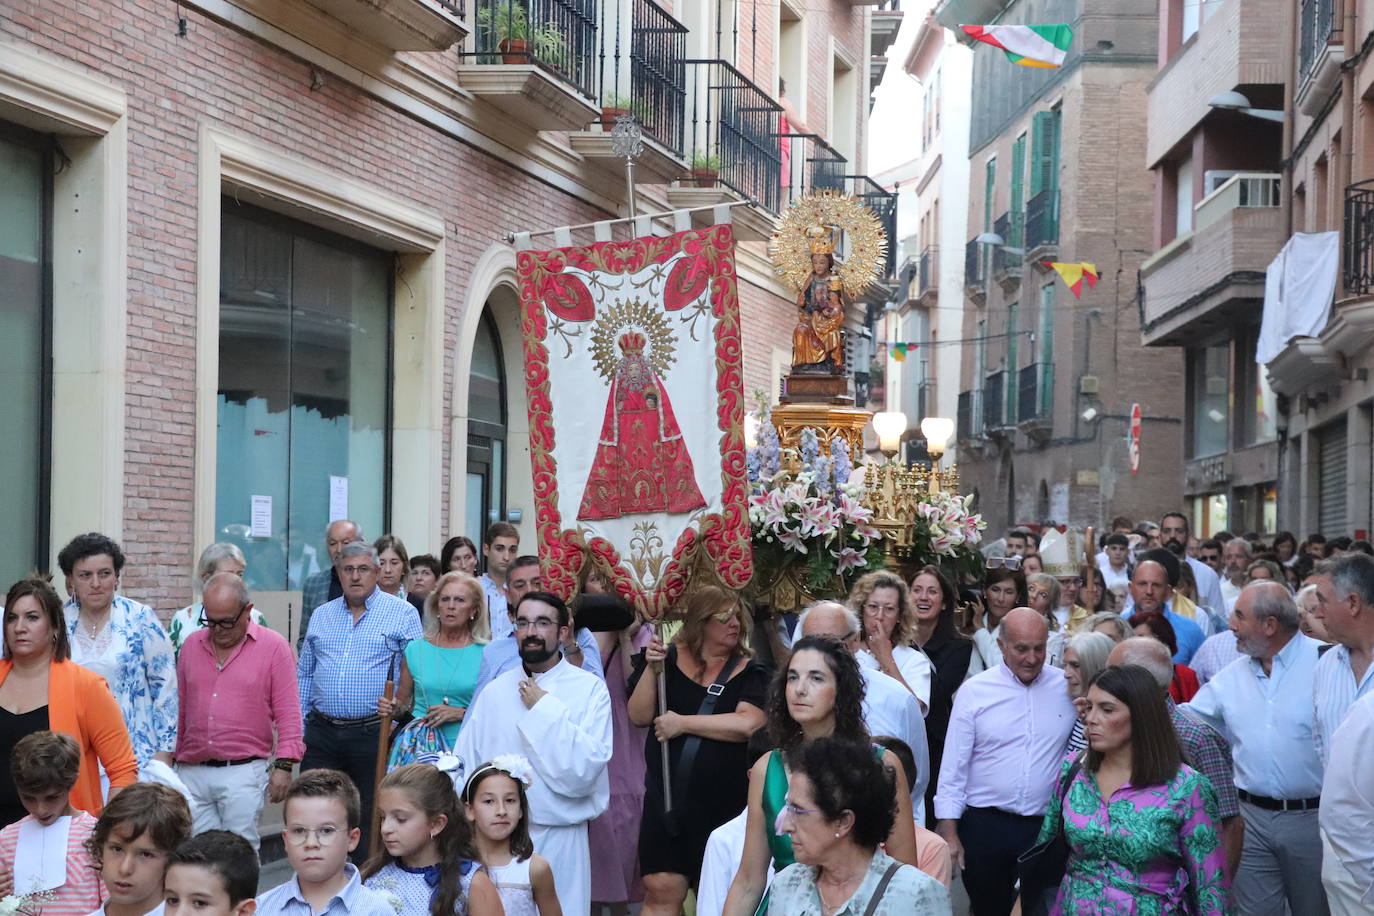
x=627, y=138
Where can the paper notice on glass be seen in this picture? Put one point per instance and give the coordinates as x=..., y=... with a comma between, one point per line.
x=261, y=517
x=338, y=498
x=40, y=858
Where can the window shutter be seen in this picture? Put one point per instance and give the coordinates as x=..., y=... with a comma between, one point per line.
x=1044, y=151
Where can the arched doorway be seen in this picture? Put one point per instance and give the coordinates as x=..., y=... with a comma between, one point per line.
x=486, y=448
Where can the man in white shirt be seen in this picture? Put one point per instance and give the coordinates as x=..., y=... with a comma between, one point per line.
x=1263, y=705
x=1115, y=563
x=1173, y=536
x=1347, y=810
x=1345, y=603
x=889, y=708
x=1002, y=755
x=1235, y=560
x=558, y=716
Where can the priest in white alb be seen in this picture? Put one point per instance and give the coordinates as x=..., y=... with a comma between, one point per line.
x=558, y=716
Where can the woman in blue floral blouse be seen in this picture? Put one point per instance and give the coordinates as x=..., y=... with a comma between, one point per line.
x=122, y=641
x=1141, y=824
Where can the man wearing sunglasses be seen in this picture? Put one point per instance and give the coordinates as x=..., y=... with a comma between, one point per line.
x=237, y=684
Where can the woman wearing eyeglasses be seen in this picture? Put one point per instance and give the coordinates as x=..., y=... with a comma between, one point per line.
x=217, y=558
x=715, y=700
x=42, y=689
x=887, y=615
x=122, y=641
x=818, y=695
x=838, y=813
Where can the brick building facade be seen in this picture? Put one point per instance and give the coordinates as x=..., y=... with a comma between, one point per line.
x=1048, y=380
x=166, y=145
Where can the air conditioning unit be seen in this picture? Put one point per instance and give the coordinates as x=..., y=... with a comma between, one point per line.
x=1088, y=384
x=1215, y=178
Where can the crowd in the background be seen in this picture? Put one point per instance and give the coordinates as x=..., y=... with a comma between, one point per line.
x=1183, y=717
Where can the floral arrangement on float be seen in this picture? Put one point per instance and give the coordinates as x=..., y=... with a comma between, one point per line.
x=819, y=521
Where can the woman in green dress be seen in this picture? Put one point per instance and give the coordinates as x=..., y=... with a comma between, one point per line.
x=439, y=672
x=819, y=694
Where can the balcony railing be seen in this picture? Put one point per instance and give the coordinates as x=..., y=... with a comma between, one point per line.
x=809, y=164
x=1042, y=219
x=557, y=35
x=1004, y=261
x=928, y=271
x=973, y=265
x=1317, y=25
x=732, y=125
x=883, y=203
x=969, y=414
x=658, y=76
x=1358, y=238
x=994, y=400
x=1250, y=190
x=1035, y=395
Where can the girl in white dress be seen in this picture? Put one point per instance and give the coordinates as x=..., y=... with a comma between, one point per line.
x=495, y=801
x=427, y=866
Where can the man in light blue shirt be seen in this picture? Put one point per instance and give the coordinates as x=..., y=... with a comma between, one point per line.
x=1263, y=705
x=503, y=653
x=1150, y=592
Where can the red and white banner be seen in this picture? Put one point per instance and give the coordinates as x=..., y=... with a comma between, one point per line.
x=636, y=402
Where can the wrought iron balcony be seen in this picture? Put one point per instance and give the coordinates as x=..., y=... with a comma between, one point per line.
x=1035, y=395
x=658, y=75
x=1005, y=263
x=1317, y=25
x=1357, y=258
x=809, y=164
x=928, y=273
x=974, y=281
x=969, y=415
x=732, y=130
x=559, y=36
x=1042, y=220
x=994, y=400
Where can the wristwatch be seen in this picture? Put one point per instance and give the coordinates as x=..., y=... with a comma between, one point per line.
x=283, y=764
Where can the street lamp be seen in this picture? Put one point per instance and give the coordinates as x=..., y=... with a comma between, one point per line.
x=1232, y=100
x=995, y=240
x=936, y=431
x=889, y=425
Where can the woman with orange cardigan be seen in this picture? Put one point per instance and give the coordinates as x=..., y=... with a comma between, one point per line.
x=41, y=688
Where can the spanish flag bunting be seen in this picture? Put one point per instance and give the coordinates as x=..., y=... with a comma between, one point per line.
x=1027, y=45
x=1073, y=275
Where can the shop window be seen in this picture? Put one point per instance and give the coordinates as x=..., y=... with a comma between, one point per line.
x=26, y=168
x=304, y=391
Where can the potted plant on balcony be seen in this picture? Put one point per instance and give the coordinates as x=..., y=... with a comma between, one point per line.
x=615, y=106
x=705, y=170
x=520, y=42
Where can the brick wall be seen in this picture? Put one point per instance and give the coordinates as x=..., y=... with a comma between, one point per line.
x=218, y=76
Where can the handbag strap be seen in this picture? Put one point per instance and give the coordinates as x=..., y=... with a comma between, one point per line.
x=692, y=745
x=881, y=888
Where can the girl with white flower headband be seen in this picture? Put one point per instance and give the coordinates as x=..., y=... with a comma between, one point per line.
x=495, y=801
x=427, y=864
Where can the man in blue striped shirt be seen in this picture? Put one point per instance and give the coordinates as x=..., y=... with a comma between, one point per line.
x=353, y=646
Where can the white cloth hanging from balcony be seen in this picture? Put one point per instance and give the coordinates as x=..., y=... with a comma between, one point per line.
x=1298, y=287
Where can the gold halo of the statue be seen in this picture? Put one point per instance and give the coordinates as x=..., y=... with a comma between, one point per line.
x=813, y=224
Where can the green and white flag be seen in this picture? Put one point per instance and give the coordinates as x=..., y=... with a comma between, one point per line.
x=1027, y=45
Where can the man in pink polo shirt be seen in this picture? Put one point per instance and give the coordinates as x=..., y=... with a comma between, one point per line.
x=237, y=684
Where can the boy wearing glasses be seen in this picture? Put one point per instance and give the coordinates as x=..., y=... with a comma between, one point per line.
x=559, y=716
x=239, y=700
x=322, y=817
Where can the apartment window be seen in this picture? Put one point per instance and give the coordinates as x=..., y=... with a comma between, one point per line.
x=1017, y=208
x=792, y=58
x=486, y=468
x=304, y=390
x=1044, y=174
x=989, y=191
x=1013, y=356
x=1183, y=197
x=26, y=169
x=1256, y=402
x=1209, y=406
x=844, y=94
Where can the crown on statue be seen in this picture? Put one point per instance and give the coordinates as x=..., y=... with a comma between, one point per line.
x=632, y=343
x=819, y=240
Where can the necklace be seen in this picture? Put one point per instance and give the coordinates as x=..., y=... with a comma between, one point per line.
x=826, y=905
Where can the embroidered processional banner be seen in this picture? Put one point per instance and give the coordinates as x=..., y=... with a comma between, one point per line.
x=636, y=403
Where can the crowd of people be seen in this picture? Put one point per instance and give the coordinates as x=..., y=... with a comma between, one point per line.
x=1183, y=716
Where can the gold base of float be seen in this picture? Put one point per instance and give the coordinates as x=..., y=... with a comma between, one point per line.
x=830, y=421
